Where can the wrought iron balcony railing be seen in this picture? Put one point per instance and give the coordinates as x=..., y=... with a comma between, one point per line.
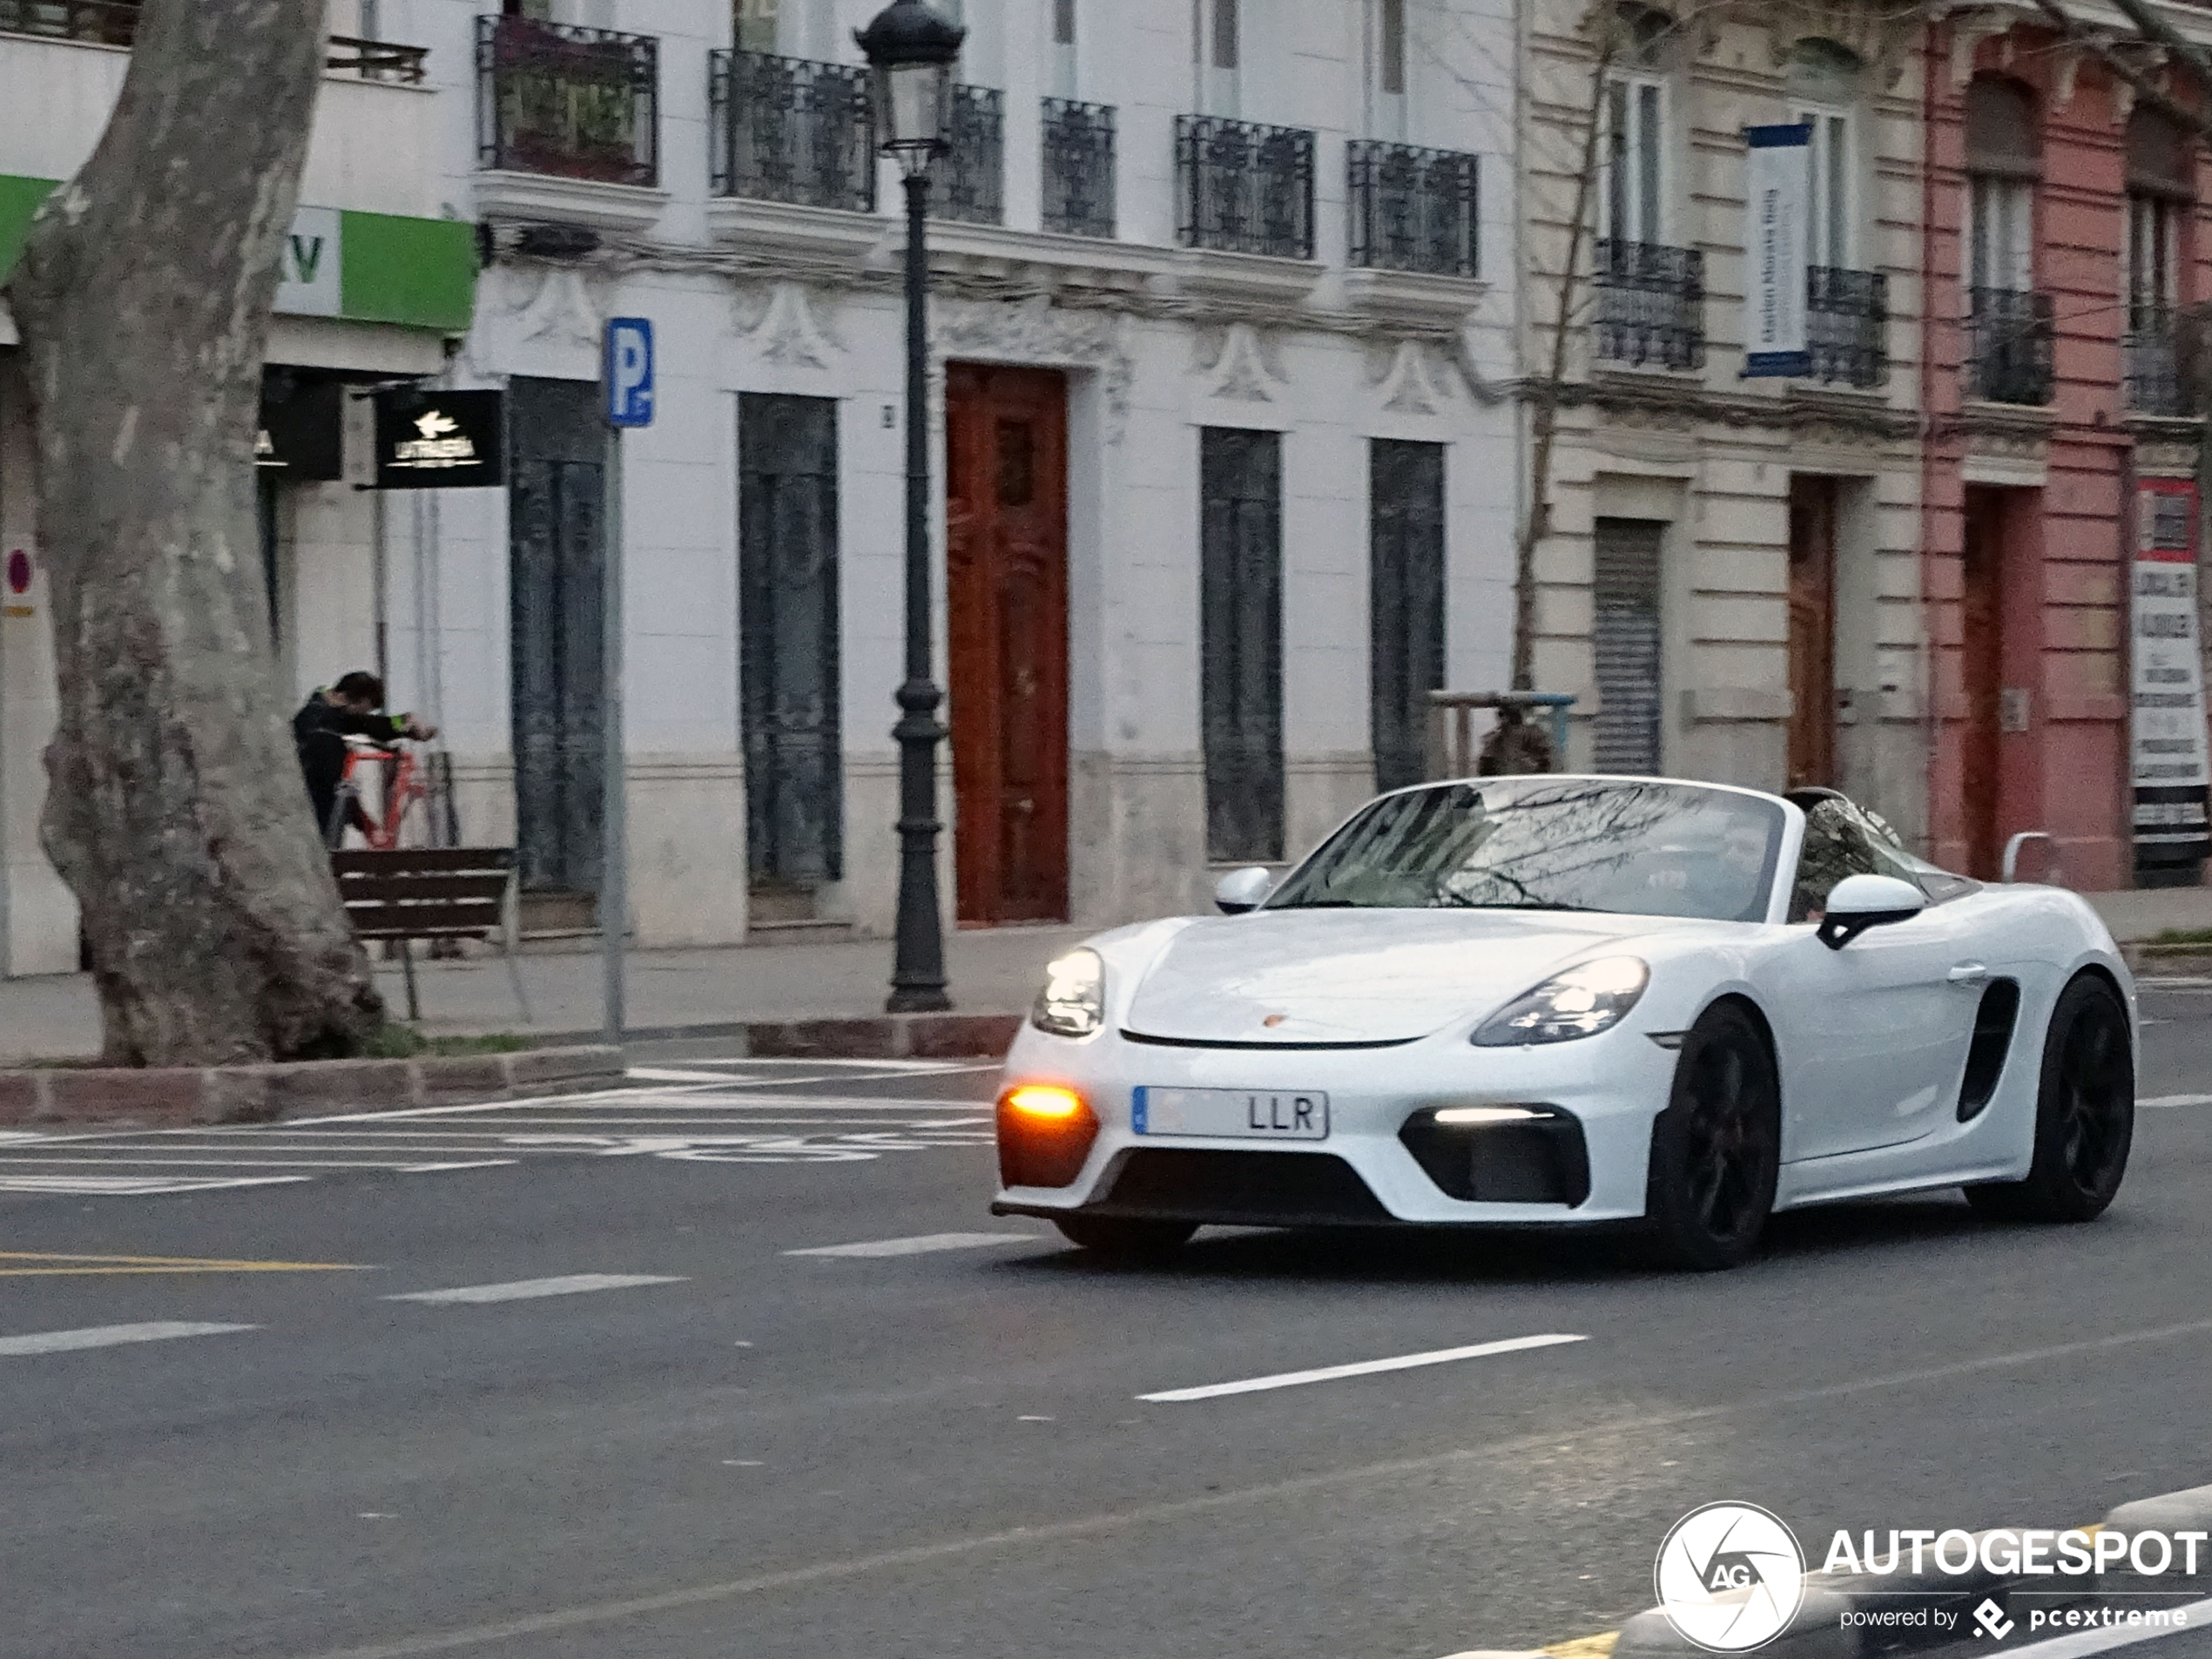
x=1413, y=210
x=114, y=23
x=787, y=129
x=573, y=103
x=106, y=23
x=970, y=179
x=1078, y=142
x=1847, y=326
x=2151, y=352
x=1650, y=304
x=1243, y=188
x=2009, y=340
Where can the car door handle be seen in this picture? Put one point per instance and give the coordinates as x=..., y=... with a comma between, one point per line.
x=1968, y=974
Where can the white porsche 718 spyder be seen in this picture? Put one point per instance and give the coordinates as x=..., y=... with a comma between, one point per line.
x=1555, y=1000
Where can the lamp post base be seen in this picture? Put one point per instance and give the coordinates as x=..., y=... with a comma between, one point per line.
x=917, y=970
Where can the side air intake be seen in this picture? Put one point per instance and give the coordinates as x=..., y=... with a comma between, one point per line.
x=1993, y=1022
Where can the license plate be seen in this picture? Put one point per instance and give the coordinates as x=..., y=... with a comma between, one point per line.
x=1246, y=1114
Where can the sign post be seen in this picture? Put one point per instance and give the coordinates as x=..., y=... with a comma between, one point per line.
x=2170, y=770
x=626, y=378
x=1781, y=190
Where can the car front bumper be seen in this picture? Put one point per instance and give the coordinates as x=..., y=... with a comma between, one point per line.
x=1611, y=1086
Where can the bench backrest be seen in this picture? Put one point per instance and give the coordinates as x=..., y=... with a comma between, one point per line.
x=424, y=893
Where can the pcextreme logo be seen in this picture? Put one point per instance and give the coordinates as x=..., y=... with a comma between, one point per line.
x=1729, y=1577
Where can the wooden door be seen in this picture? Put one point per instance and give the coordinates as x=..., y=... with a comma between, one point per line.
x=1981, y=645
x=1006, y=575
x=556, y=490
x=1812, y=632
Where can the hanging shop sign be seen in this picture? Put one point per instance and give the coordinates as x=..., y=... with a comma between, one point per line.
x=2168, y=760
x=431, y=439
x=1781, y=187
x=300, y=437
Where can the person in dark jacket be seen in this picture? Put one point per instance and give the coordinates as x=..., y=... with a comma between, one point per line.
x=353, y=707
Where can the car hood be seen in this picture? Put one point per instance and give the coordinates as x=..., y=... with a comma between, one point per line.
x=1302, y=977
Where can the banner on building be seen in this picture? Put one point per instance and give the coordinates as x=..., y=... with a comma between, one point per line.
x=1781, y=212
x=429, y=440
x=2170, y=768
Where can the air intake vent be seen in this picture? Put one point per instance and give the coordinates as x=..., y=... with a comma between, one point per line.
x=1993, y=1022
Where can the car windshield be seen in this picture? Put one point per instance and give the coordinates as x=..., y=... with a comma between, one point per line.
x=1630, y=847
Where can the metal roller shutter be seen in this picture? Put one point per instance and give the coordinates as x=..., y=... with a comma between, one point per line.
x=1624, y=637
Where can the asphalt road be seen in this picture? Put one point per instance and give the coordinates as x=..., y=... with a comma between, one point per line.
x=713, y=1446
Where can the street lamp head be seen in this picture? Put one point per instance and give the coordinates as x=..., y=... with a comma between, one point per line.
x=913, y=51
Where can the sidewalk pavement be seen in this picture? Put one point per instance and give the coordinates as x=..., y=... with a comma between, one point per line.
x=992, y=970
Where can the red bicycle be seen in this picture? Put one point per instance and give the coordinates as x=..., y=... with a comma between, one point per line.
x=395, y=790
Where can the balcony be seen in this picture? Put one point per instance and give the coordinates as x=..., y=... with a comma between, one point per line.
x=1650, y=304
x=1847, y=322
x=567, y=103
x=1413, y=210
x=2151, y=354
x=1078, y=155
x=2009, y=338
x=1242, y=188
x=114, y=23
x=787, y=129
x=969, y=181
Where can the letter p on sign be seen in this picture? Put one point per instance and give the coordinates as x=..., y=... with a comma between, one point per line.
x=628, y=372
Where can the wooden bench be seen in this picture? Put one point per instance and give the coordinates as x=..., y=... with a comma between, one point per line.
x=432, y=893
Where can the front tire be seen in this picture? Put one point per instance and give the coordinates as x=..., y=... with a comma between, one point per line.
x=2085, y=1114
x=1717, y=1150
x=1125, y=1238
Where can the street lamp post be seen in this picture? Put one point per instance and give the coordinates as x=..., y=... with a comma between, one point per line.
x=912, y=51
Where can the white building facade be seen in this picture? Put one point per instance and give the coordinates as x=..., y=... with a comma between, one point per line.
x=1225, y=474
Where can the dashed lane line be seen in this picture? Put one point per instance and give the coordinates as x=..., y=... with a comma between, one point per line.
x=1361, y=1368
x=2159, y=1102
x=921, y=1244
x=109, y=1336
x=133, y=1186
x=529, y=1289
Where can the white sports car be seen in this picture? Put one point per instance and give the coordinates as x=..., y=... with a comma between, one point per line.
x=1560, y=999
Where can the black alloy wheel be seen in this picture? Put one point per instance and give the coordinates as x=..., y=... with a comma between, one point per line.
x=1717, y=1150
x=2085, y=1113
x=1125, y=1237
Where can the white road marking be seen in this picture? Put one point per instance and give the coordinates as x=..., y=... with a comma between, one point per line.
x=437, y=1169
x=524, y=1290
x=2159, y=1102
x=1363, y=1368
x=108, y=1336
x=921, y=1244
x=127, y=1186
x=2191, y=1617
x=659, y=1075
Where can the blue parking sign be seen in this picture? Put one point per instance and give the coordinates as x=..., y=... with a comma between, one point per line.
x=627, y=372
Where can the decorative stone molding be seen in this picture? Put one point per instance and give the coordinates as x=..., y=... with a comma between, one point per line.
x=1408, y=383
x=1409, y=297
x=784, y=328
x=1234, y=367
x=1035, y=331
x=1207, y=274
x=2166, y=446
x=539, y=199
x=1658, y=399
x=557, y=307
x=815, y=236
x=1881, y=36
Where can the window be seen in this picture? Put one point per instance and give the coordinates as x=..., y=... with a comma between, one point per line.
x=2003, y=160
x=1390, y=28
x=1406, y=518
x=2159, y=191
x=1634, y=115
x=1063, y=23
x=1841, y=840
x=756, y=25
x=1829, y=240
x=1240, y=668
x=1217, y=50
x=1063, y=49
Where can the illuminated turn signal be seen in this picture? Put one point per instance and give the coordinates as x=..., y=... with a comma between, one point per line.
x=1045, y=1100
x=1046, y=1131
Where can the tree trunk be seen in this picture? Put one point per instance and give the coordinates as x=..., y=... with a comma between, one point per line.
x=175, y=809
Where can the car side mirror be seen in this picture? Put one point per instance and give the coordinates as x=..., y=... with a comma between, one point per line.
x=1241, y=890
x=1859, y=902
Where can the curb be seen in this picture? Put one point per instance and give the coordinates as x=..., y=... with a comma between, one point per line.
x=181, y=1094
x=889, y=1037
x=2169, y=962
x=1818, y=1631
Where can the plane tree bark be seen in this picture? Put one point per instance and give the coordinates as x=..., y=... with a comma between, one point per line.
x=175, y=810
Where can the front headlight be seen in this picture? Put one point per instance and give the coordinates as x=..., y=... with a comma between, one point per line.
x=1581, y=1003
x=1072, y=1002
